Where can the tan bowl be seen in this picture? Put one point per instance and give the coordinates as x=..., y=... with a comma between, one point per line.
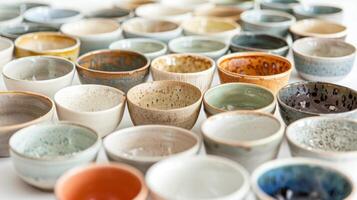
x=224, y=12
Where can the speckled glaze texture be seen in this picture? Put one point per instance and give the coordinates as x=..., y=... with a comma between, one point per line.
x=306, y=99
x=324, y=12
x=279, y=5
x=164, y=102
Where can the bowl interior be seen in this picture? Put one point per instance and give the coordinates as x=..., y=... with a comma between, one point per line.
x=149, y=26
x=317, y=10
x=208, y=25
x=45, y=42
x=219, y=11
x=143, y=46
x=317, y=27
x=47, y=14
x=8, y=14
x=90, y=26
x=182, y=63
x=110, y=13
x=266, y=17
x=258, y=41
x=21, y=29
x=196, y=45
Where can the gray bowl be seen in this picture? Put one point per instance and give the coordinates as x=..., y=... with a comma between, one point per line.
x=13, y=32
x=325, y=12
x=117, y=14
x=280, y=5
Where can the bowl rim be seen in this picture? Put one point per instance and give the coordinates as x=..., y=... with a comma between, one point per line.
x=301, y=9
x=163, y=49
x=186, y=25
x=293, y=29
x=39, y=9
x=173, y=43
x=246, y=19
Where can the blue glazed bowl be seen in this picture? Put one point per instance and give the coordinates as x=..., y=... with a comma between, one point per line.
x=280, y=5
x=324, y=12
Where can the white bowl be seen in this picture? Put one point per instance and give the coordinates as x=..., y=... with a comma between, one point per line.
x=188, y=4
x=163, y=12
x=10, y=16
x=6, y=51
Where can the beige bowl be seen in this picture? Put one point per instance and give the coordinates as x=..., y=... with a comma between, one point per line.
x=224, y=12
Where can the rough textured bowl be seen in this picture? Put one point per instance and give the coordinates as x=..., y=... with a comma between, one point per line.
x=243, y=135
x=306, y=99
x=143, y=146
x=163, y=12
x=149, y=47
x=319, y=11
x=6, y=51
x=40, y=74
x=14, y=31
x=268, y=70
x=115, y=13
x=198, y=177
x=320, y=59
x=102, y=181
x=47, y=43
x=164, y=102
x=280, y=5
x=10, y=16
x=132, y=4
x=238, y=96
x=99, y=107
x=224, y=12
x=56, y=147
x=300, y=178
x=259, y=42
x=267, y=21
x=190, y=68
x=117, y=68
x=318, y=28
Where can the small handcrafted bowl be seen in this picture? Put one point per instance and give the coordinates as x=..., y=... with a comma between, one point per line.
x=19, y=110
x=300, y=178
x=99, y=107
x=56, y=147
x=143, y=146
x=318, y=28
x=267, y=21
x=259, y=42
x=198, y=177
x=151, y=28
x=223, y=12
x=319, y=11
x=9, y=16
x=40, y=74
x=47, y=43
x=279, y=5
x=188, y=4
x=319, y=59
x=238, y=96
x=115, y=13
x=243, y=135
x=98, y=181
x=116, y=68
x=94, y=33
x=165, y=102
x=132, y=4
x=149, y=47
x=30, y=4
x=268, y=70
x=6, y=51
x=163, y=12
x=306, y=99
x=190, y=68
x=14, y=31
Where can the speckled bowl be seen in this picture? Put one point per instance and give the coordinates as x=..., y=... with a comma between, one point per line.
x=143, y=146
x=320, y=59
x=319, y=11
x=115, y=13
x=164, y=102
x=273, y=74
x=117, y=68
x=280, y=5
x=224, y=12
x=306, y=99
x=10, y=15
x=163, y=12
x=238, y=96
x=14, y=31
x=190, y=68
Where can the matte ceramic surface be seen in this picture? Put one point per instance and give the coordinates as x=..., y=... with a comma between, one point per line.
x=198, y=177
x=40, y=74
x=116, y=68
x=164, y=102
x=259, y=42
x=324, y=12
x=224, y=12
x=238, y=96
x=301, y=179
x=142, y=146
x=116, y=13
x=249, y=138
x=47, y=43
x=268, y=70
x=188, y=4
x=14, y=31
x=55, y=147
x=132, y=4
x=190, y=68
x=102, y=181
x=6, y=51
x=319, y=59
x=10, y=16
x=163, y=12
x=280, y=5
x=94, y=33
x=306, y=99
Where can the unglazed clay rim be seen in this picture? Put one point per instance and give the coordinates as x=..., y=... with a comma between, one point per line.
x=290, y=19
x=275, y=164
x=205, y=102
x=297, y=7
x=51, y=21
x=142, y=194
x=173, y=43
x=203, y=12
x=294, y=29
x=187, y=26
x=142, y=129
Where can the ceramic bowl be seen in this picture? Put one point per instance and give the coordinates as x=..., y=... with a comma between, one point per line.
x=279, y=5
x=318, y=28
x=51, y=16
x=40, y=74
x=98, y=181
x=117, y=68
x=324, y=12
x=10, y=16
x=188, y=4
x=19, y=110
x=94, y=33
x=56, y=147
x=14, y=31
x=190, y=68
x=165, y=102
x=273, y=74
x=238, y=96
x=206, y=46
x=267, y=21
x=198, y=177
x=6, y=51
x=163, y=12
x=149, y=47
x=47, y=43
x=218, y=28
x=300, y=178
x=115, y=13
x=243, y=135
x=259, y=42
x=29, y=4
x=143, y=146
x=132, y=4
x=306, y=99
x=319, y=59
x=151, y=28
x=224, y=12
